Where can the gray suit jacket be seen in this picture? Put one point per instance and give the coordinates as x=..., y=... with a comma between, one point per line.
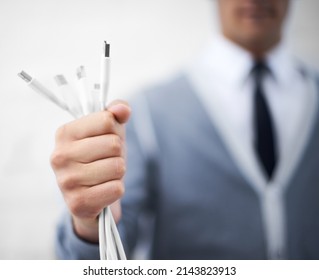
x=201, y=204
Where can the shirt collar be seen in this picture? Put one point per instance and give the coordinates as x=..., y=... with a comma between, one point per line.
x=282, y=64
x=231, y=62
x=228, y=62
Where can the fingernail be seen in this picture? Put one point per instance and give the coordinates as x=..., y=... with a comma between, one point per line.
x=120, y=106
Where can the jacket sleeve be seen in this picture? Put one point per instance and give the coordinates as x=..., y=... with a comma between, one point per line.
x=68, y=246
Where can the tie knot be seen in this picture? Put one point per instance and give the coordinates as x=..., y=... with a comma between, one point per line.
x=259, y=69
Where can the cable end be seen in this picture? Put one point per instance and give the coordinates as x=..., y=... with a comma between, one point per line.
x=60, y=80
x=106, y=49
x=80, y=72
x=25, y=76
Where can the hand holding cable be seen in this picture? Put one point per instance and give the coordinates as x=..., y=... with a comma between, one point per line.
x=79, y=169
x=89, y=163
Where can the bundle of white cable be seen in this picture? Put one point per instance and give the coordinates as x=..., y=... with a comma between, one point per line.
x=78, y=105
x=111, y=247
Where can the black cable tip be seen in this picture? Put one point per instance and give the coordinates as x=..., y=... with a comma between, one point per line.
x=106, y=49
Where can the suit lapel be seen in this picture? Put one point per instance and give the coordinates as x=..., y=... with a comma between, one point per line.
x=306, y=140
x=243, y=155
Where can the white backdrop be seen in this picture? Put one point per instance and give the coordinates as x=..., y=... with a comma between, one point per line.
x=149, y=41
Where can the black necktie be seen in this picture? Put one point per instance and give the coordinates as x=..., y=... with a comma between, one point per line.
x=263, y=126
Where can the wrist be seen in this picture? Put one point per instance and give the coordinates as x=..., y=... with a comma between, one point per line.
x=86, y=230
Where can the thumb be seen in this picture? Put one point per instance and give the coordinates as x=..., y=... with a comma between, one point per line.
x=120, y=109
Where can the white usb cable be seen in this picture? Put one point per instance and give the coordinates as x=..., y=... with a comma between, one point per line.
x=69, y=96
x=86, y=98
x=104, y=74
x=110, y=245
x=38, y=87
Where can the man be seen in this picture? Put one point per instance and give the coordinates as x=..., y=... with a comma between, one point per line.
x=224, y=157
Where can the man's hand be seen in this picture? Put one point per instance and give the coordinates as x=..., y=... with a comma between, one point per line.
x=89, y=164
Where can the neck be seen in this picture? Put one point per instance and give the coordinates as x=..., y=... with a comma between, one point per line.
x=260, y=52
x=258, y=49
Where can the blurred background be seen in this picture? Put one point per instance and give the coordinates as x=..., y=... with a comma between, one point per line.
x=150, y=40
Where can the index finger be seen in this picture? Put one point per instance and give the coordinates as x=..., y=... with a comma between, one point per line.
x=95, y=124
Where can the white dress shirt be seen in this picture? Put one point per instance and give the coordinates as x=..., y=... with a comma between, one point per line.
x=221, y=76
x=225, y=69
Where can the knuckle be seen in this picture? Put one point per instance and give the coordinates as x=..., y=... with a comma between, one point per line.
x=108, y=120
x=118, y=189
x=67, y=181
x=116, y=145
x=58, y=158
x=82, y=206
x=120, y=166
x=77, y=205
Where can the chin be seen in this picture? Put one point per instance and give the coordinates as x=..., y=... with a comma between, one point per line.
x=258, y=32
x=258, y=45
